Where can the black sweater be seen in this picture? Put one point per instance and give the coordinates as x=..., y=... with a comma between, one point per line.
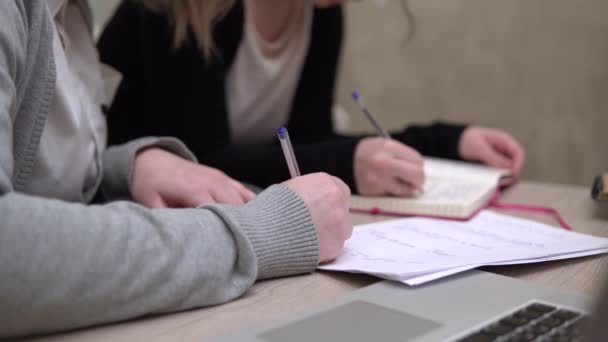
x=176, y=92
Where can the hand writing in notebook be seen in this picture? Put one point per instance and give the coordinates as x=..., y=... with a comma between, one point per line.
x=492, y=147
x=385, y=166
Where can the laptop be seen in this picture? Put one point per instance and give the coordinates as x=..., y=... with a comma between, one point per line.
x=474, y=307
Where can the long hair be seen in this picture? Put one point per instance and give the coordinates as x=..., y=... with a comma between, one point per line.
x=200, y=16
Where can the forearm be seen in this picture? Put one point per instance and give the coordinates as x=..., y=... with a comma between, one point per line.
x=67, y=266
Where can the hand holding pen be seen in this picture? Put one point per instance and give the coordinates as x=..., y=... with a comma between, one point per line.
x=327, y=199
x=385, y=166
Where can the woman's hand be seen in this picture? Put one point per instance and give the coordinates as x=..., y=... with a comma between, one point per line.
x=492, y=147
x=164, y=180
x=387, y=167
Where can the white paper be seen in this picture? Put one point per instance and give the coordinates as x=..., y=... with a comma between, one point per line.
x=462, y=171
x=418, y=250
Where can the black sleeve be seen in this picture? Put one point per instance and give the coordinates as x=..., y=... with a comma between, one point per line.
x=436, y=140
x=311, y=115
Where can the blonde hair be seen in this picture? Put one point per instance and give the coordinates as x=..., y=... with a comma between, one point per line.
x=198, y=15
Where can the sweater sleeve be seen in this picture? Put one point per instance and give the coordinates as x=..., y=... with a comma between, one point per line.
x=12, y=55
x=69, y=266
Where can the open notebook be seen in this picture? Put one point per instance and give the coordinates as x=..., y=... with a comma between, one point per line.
x=453, y=189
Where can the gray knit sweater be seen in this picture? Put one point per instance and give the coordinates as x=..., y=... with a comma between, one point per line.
x=68, y=265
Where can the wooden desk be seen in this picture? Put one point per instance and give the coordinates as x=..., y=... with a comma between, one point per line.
x=275, y=298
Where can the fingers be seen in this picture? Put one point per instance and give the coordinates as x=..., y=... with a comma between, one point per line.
x=217, y=187
x=347, y=225
x=489, y=156
x=327, y=199
x=403, y=152
x=154, y=202
x=404, y=172
x=397, y=188
x=246, y=194
x=384, y=166
x=518, y=163
x=227, y=195
x=402, y=177
x=344, y=189
x=234, y=193
x=492, y=147
x=196, y=200
x=507, y=146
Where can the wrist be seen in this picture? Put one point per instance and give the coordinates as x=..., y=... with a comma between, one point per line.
x=143, y=156
x=465, y=150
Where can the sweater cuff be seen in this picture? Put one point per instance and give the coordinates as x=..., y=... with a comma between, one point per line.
x=119, y=162
x=281, y=232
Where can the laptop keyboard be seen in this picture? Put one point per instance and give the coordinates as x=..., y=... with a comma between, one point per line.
x=535, y=322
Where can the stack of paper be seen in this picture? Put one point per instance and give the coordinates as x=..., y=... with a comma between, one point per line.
x=418, y=250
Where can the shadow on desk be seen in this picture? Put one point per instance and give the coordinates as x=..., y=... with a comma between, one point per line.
x=528, y=269
x=356, y=279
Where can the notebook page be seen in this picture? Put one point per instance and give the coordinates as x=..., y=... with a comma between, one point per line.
x=462, y=171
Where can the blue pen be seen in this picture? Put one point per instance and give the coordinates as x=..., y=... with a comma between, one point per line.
x=290, y=157
x=381, y=131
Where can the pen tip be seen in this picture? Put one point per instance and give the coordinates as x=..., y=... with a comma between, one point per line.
x=355, y=95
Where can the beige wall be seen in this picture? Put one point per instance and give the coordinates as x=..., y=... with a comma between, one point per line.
x=102, y=10
x=537, y=68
